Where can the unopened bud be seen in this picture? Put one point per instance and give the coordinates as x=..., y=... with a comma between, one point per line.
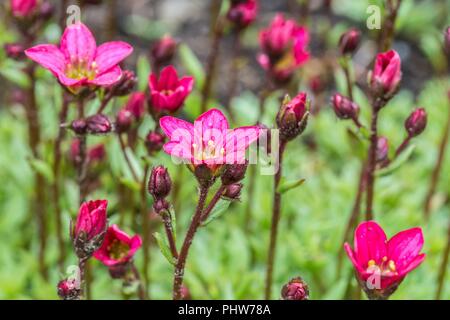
x=382, y=149
x=154, y=142
x=163, y=50
x=349, y=41
x=98, y=124
x=68, y=289
x=233, y=191
x=234, y=173
x=292, y=117
x=296, y=289
x=416, y=122
x=344, y=107
x=124, y=121
x=14, y=51
x=125, y=85
x=79, y=126
x=160, y=183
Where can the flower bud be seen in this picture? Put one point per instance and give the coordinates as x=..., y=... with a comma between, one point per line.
x=161, y=206
x=14, y=51
x=382, y=149
x=344, y=107
x=349, y=41
x=292, y=117
x=416, y=122
x=447, y=40
x=69, y=289
x=98, y=124
x=79, y=126
x=233, y=191
x=160, y=183
x=136, y=104
x=154, y=142
x=386, y=75
x=233, y=173
x=296, y=289
x=163, y=50
x=46, y=10
x=23, y=8
x=243, y=13
x=125, y=85
x=124, y=121
x=96, y=153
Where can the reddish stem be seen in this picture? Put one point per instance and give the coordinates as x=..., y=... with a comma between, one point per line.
x=444, y=265
x=146, y=229
x=168, y=227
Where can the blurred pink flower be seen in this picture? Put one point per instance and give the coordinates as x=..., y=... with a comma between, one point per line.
x=243, y=13
x=91, y=219
x=392, y=260
x=136, y=104
x=168, y=92
x=118, y=247
x=209, y=140
x=23, y=8
x=79, y=62
x=386, y=74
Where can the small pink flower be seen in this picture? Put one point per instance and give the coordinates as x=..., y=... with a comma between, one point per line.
x=79, y=62
x=386, y=74
x=136, y=105
x=91, y=219
x=243, y=13
x=168, y=92
x=23, y=8
x=392, y=260
x=164, y=49
x=209, y=140
x=118, y=247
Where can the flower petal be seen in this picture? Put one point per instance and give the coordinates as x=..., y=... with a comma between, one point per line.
x=110, y=54
x=351, y=255
x=413, y=264
x=171, y=125
x=49, y=56
x=237, y=142
x=168, y=79
x=212, y=119
x=179, y=150
x=370, y=243
x=405, y=246
x=78, y=43
x=108, y=78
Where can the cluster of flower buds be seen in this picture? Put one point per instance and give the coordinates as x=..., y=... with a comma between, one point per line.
x=159, y=187
x=231, y=177
x=293, y=117
x=89, y=230
x=95, y=124
x=344, y=108
x=132, y=112
x=416, y=122
x=349, y=41
x=163, y=50
x=385, y=77
x=154, y=142
x=69, y=289
x=296, y=289
x=242, y=13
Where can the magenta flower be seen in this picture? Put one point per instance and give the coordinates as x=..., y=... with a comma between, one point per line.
x=23, y=8
x=381, y=265
x=91, y=219
x=136, y=105
x=386, y=74
x=209, y=140
x=118, y=247
x=284, y=45
x=243, y=13
x=168, y=92
x=79, y=62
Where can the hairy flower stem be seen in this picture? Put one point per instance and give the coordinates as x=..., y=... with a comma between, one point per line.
x=215, y=199
x=123, y=147
x=275, y=220
x=82, y=269
x=181, y=261
x=234, y=72
x=168, y=227
x=56, y=182
x=34, y=136
x=348, y=77
x=443, y=267
x=211, y=64
x=437, y=169
x=145, y=230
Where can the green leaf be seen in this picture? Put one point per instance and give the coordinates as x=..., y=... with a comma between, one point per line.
x=130, y=183
x=43, y=168
x=397, y=162
x=164, y=247
x=192, y=64
x=289, y=185
x=15, y=76
x=143, y=71
x=217, y=211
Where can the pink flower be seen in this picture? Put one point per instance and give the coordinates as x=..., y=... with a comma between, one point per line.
x=91, y=219
x=209, y=140
x=23, y=8
x=284, y=48
x=118, y=247
x=168, y=92
x=386, y=74
x=243, y=13
x=79, y=62
x=136, y=105
x=292, y=117
x=164, y=49
x=391, y=261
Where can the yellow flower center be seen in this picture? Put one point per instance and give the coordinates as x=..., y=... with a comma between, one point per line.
x=118, y=249
x=81, y=69
x=209, y=151
x=386, y=267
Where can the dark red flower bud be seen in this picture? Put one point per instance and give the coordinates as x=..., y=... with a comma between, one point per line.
x=161, y=206
x=14, y=51
x=46, y=10
x=154, y=142
x=382, y=149
x=292, y=117
x=125, y=85
x=118, y=271
x=243, y=13
x=79, y=126
x=344, y=107
x=69, y=289
x=233, y=191
x=316, y=84
x=296, y=289
x=160, y=183
x=124, y=121
x=98, y=124
x=163, y=50
x=349, y=41
x=233, y=173
x=447, y=40
x=416, y=122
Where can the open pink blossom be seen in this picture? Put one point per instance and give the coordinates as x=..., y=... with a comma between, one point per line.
x=23, y=8
x=118, y=247
x=91, y=219
x=374, y=256
x=169, y=92
x=79, y=62
x=209, y=140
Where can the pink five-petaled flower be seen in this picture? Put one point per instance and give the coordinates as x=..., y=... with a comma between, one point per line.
x=91, y=219
x=386, y=74
x=23, y=8
x=381, y=265
x=168, y=92
x=284, y=48
x=79, y=62
x=209, y=140
x=118, y=247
